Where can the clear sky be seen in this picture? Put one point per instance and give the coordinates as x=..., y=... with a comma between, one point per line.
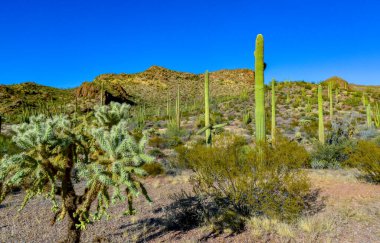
x=65, y=42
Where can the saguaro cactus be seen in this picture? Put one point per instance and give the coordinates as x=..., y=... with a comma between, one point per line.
x=331, y=100
x=273, y=111
x=321, y=126
x=178, y=109
x=376, y=115
x=364, y=100
x=167, y=105
x=208, y=126
x=102, y=93
x=369, y=117
x=259, y=89
x=207, y=109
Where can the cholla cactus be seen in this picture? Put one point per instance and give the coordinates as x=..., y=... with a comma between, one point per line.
x=53, y=148
x=110, y=115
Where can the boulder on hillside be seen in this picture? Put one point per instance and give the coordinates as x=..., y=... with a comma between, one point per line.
x=112, y=93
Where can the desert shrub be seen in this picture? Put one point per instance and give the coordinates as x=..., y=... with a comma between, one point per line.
x=157, y=142
x=173, y=135
x=153, y=169
x=366, y=157
x=244, y=181
x=334, y=152
x=353, y=101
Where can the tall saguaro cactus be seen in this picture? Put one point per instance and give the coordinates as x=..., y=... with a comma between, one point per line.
x=102, y=93
x=369, y=117
x=208, y=126
x=259, y=89
x=376, y=115
x=178, y=109
x=321, y=126
x=330, y=87
x=207, y=109
x=273, y=111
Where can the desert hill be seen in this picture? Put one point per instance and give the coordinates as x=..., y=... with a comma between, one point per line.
x=152, y=87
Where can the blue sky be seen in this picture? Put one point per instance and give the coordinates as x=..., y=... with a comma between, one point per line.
x=65, y=42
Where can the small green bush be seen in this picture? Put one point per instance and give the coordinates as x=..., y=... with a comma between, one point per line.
x=153, y=169
x=366, y=157
x=334, y=152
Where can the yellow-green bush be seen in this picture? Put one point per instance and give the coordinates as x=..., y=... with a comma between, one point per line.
x=366, y=157
x=249, y=181
x=153, y=169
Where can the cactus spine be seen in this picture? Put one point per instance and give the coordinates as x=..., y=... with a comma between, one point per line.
x=369, y=117
x=259, y=89
x=321, y=127
x=273, y=111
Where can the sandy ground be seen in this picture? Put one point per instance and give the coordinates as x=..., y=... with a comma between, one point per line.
x=351, y=214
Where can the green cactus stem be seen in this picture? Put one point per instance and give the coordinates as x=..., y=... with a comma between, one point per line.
x=207, y=109
x=308, y=105
x=102, y=93
x=369, y=117
x=364, y=100
x=321, y=127
x=259, y=89
x=167, y=105
x=376, y=115
x=273, y=130
x=330, y=88
x=208, y=126
x=178, y=110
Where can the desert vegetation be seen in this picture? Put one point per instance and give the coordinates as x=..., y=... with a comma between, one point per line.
x=169, y=156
